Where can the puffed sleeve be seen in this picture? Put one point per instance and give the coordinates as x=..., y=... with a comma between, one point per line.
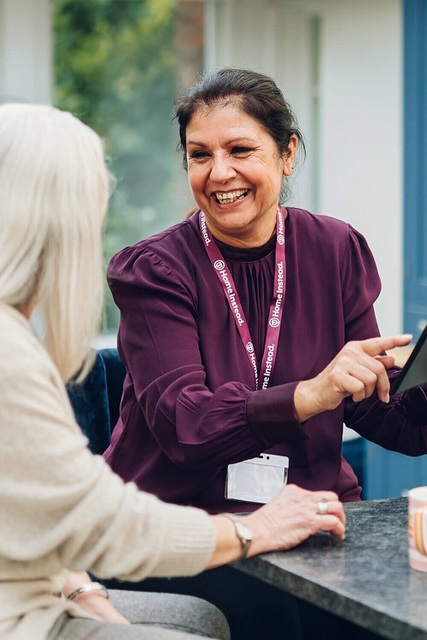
x=195, y=425
x=361, y=286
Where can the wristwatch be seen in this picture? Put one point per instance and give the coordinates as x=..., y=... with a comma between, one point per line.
x=243, y=532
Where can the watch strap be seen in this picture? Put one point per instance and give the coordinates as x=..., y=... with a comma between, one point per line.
x=243, y=533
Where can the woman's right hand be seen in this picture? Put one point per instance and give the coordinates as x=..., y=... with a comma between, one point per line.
x=281, y=524
x=357, y=370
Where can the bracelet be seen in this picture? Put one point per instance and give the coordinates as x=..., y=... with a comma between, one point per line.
x=90, y=586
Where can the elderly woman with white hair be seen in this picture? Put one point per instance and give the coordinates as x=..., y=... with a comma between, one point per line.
x=64, y=512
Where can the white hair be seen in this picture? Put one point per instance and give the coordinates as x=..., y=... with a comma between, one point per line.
x=54, y=189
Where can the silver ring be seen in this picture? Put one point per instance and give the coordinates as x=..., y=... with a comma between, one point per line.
x=322, y=506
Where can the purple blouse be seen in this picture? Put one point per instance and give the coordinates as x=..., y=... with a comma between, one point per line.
x=189, y=406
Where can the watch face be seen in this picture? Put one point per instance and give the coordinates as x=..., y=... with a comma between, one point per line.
x=244, y=531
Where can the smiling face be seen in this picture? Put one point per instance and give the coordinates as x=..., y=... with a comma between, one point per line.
x=235, y=173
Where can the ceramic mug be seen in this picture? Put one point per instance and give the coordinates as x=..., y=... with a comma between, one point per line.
x=417, y=528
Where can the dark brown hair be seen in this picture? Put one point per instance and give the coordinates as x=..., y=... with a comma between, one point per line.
x=256, y=94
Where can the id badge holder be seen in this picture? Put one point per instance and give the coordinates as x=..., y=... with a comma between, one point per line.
x=257, y=479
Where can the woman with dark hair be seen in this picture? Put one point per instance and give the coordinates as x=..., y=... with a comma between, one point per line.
x=249, y=327
x=248, y=330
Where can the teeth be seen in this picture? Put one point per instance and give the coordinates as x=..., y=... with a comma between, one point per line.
x=231, y=196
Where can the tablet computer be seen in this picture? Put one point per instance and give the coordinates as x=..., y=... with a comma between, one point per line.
x=414, y=372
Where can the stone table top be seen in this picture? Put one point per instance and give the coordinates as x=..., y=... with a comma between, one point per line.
x=365, y=579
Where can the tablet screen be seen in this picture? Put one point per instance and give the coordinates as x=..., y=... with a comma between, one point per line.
x=414, y=371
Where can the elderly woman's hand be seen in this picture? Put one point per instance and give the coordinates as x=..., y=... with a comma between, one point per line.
x=294, y=515
x=357, y=370
x=291, y=517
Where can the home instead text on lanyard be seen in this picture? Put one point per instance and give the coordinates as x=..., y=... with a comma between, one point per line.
x=276, y=307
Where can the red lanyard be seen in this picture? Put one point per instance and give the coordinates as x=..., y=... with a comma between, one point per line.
x=276, y=307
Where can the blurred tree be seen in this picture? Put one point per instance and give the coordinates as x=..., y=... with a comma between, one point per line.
x=114, y=63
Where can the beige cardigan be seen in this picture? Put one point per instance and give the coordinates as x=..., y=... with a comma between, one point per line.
x=61, y=507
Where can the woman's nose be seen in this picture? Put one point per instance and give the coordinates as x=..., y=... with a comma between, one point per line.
x=222, y=169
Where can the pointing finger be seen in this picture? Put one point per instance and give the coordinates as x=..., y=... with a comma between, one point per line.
x=375, y=346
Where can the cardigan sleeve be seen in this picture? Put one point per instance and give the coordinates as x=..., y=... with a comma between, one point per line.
x=63, y=507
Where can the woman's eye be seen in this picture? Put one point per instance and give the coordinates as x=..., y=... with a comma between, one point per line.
x=239, y=151
x=199, y=155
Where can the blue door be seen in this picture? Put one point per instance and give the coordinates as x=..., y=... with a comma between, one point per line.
x=415, y=165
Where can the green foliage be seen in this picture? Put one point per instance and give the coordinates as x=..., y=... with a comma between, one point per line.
x=115, y=70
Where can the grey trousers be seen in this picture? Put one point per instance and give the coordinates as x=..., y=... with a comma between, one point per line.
x=154, y=616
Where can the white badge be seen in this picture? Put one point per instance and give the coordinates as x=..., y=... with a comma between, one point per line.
x=258, y=479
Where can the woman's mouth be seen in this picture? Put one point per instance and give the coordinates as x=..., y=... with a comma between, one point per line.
x=230, y=196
